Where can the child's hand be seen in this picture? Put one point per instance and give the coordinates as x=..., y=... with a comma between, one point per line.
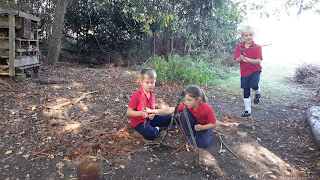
x=245, y=59
x=151, y=116
x=242, y=58
x=198, y=127
x=144, y=114
x=148, y=110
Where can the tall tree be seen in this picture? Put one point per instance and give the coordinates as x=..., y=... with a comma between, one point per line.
x=56, y=36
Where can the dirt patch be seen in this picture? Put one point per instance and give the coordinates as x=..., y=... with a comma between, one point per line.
x=274, y=143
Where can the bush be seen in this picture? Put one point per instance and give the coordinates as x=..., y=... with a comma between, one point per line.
x=307, y=74
x=185, y=70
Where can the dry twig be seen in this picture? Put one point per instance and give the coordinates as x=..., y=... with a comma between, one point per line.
x=227, y=147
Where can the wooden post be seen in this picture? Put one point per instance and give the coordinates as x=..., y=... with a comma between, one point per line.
x=11, y=45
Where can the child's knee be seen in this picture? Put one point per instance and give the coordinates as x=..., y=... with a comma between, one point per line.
x=152, y=135
x=255, y=87
x=203, y=144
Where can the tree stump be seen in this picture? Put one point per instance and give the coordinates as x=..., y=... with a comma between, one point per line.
x=313, y=118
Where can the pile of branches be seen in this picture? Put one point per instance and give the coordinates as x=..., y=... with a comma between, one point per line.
x=115, y=145
x=307, y=74
x=97, y=144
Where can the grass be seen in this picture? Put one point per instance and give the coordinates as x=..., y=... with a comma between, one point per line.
x=275, y=82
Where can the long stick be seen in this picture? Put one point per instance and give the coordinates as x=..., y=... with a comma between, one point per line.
x=144, y=108
x=173, y=120
x=185, y=136
x=191, y=131
x=257, y=46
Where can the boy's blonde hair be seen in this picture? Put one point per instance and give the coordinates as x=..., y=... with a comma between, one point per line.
x=247, y=29
x=147, y=73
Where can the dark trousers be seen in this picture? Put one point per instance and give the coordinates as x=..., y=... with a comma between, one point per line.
x=251, y=81
x=150, y=132
x=203, y=137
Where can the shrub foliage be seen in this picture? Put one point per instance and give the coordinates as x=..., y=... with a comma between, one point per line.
x=187, y=70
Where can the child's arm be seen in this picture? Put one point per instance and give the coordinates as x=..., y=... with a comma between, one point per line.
x=200, y=127
x=240, y=58
x=252, y=61
x=166, y=110
x=132, y=113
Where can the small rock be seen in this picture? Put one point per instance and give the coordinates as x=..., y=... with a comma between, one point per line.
x=273, y=176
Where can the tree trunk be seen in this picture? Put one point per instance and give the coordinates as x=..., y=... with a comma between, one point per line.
x=56, y=36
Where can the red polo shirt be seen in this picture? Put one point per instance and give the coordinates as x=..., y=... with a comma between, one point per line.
x=246, y=68
x=203, y=114
x=136, y=103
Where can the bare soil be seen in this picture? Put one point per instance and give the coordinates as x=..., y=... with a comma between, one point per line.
x=40, y=142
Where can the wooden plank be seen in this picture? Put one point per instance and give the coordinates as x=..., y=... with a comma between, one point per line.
x=11, y=45
x=4, y=22
x=9, y=12
x=26, y=60
x=29, y=16
x=20, y=14
x=4, y=44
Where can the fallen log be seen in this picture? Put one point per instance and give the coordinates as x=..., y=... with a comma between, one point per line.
x=49, y=81
x=313, y=119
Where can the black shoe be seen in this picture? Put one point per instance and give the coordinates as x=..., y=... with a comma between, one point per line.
x=256, y=99
x=245, y=114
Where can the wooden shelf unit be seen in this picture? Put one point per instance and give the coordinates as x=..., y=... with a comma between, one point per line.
x=19, y=42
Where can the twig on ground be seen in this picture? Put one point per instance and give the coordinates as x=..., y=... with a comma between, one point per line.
x=220, y=151
x=228, y=147
x=175, y=151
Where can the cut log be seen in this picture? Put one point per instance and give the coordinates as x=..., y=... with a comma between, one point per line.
x=313, y=119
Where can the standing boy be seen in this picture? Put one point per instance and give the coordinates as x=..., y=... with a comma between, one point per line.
x=146, y=124
x=249, y=55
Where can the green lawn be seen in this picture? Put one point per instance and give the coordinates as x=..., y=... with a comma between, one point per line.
x=276, y=83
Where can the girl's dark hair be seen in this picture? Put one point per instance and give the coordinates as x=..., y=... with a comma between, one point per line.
x=195, y=92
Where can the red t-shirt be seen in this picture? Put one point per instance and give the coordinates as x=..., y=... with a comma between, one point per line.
x=136, y=103
x=246, y=68
x=203, y=114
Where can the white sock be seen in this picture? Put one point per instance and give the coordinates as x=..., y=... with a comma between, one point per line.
x=258, y=91
x=157, y=128
x=247, y=104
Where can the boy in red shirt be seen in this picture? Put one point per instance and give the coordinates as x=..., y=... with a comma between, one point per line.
x=146, y=124
x=250, y=68
x=200, y=114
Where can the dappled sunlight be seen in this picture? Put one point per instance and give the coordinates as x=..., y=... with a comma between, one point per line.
x=71, y=127
x=59, y=110
x=260, y=162
x=84, y=107
x=208, y=160
x=56, y=87
x=76, y=84
x=129, y=73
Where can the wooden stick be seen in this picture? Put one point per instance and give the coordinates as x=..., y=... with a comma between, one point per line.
x=144, y=108
x=59, y=106
x=228, y=147
x=175, y=151
x=220, y=151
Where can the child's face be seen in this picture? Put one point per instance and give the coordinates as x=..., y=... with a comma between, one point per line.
x=248, y=37
x=191, y=102
x=147, y=84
